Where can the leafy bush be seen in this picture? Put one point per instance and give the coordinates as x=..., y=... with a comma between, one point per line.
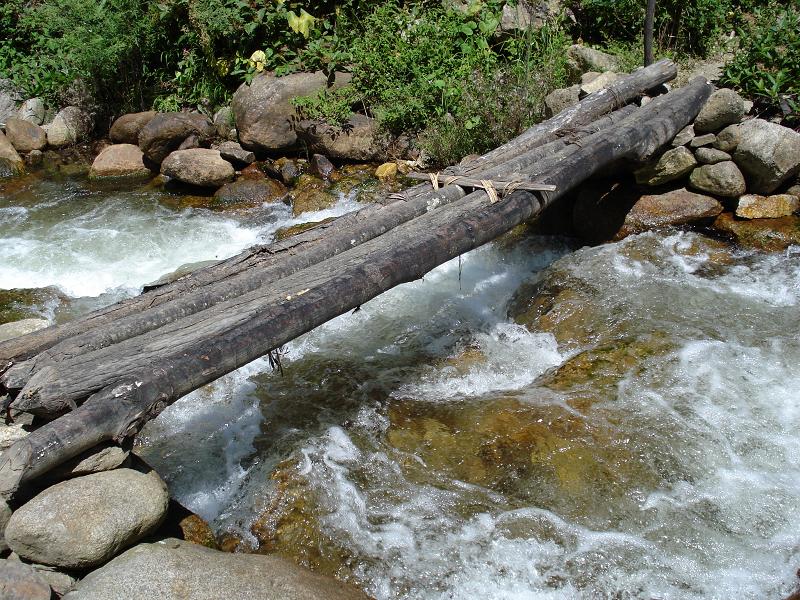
x=692, y=27
x=766, y=66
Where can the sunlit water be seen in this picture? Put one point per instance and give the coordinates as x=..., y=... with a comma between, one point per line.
x=427, y=446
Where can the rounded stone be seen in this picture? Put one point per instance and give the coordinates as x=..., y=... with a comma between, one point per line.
x=723, y=107
x=722, y=179
x=84, y=522
x=711, y=156
x=119, y=160
x=198, y=166
x=19, y=581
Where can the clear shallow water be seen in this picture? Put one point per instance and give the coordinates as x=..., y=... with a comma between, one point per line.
x=640, y=441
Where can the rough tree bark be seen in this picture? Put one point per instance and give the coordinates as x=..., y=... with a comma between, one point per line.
x=238, y=331
x=568, y=123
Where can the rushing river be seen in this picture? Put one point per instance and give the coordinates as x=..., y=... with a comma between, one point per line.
x=640, y=438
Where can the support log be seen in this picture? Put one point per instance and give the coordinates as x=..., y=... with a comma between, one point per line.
x=568, y=123
x=232, y=335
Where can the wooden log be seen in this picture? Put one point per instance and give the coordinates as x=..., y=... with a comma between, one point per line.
x=569, y=122
x=279, y=264
x=231, y=335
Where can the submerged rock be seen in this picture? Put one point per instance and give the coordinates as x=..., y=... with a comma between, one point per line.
x=764, y=234
x=200, y=167
x=119, y=160
x=176, y=569
x=249, y=192
x=83, y=522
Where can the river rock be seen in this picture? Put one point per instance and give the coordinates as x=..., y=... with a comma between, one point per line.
x=19, y=581
x=5, y=515
x=95, y=460
x=9, y=97
x=83, y=522
x=711, y=156
x=672, y=165
x=723, y=107
x=768, y=154
x=771, y=235
x=235, y=154
x=728, y=139
x=600, y=82
x=25, y=136
x=582, y=58
x=200, y=166
x=684, y=136
x=71, y=125
x=21, y=327
x=357, y=140
x=59, y=582
x=126, y=129
x=679, y=207
x=722, y=179
x=32, y=111
x=561, y=98
x=10, y=434
x=263, y=109
x=175, y=569
x=386, y=171
x=10, y=161
x=702, y=140
x=311, y=194
x=190, y=143
x=119, y=160
x=249, y=192
x=753, y=206
x=167, y=131
x=224, y=123
x=321, y=166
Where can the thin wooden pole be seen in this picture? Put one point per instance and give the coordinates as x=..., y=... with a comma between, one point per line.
x=649, y=22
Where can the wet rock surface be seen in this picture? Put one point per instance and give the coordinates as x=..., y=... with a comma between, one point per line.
x=771, y=235
x=175, y=569
x=753, y=206
x=245, y=192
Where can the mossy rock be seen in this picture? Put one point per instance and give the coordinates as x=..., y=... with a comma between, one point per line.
x=27, y=303
x=311, y=194
x=771, y=235
x=287, y=232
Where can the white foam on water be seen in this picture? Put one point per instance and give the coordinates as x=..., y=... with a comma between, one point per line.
x=90, y=243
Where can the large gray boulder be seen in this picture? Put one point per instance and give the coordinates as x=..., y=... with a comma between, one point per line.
x=71, y=125
x=264, y=112
x=19, y=581
x=25, y=136
x=126, y=129
x=201, y=167
x=768, y=154
x=165, y=133
x=32, y=111
x=9, y=97
x=177, y=570
x=10, y=161
x=582, y=58
x=673, y=164
x=119, y=160
x=724, y=107
x=83, y=522
x=722, y=179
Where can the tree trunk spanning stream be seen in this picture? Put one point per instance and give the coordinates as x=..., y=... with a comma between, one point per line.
x=103, y=376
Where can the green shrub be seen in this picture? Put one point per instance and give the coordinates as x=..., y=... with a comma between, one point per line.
x=691, y=27
x=766, y=66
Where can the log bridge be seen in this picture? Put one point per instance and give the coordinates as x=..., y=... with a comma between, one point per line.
x=100, y=378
